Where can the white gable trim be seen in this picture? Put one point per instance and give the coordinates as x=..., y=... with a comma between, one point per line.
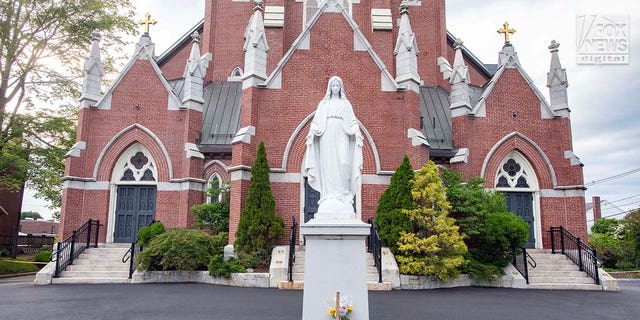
x=296, y=132
x=388, y=82
x=173, y=102
x=479, y=110
x=535, y=145
x=122, y=132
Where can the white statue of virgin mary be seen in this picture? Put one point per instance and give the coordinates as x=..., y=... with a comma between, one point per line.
x=333, y=161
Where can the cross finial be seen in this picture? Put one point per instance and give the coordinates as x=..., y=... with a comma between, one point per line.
x=258, y=5
x=457, y=44
x=147, y=22
x=404, y=8
x=554, y=46
x=506, y=31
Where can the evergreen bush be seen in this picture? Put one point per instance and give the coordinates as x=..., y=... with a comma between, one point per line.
x=390, y=219
x=177, y=249
x=214, y=215
x=434, y=247
x=220, y=268
x=43, y=255
x=260, y=228
x=146, y=234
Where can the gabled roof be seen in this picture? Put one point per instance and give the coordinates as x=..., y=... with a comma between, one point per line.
x=388, y=81
x=487, y=69
x=143, y=52
x=184, y=40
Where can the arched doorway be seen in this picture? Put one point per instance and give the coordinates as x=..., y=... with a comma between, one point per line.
x=517, y=180
x=133, y=194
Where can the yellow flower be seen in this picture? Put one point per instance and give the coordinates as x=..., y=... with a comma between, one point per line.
x=349, y=308
x=332, y=312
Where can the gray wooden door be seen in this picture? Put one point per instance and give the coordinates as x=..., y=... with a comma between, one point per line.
x=521, y=203
x=135, y=208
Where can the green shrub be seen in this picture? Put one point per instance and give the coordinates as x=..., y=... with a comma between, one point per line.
x=605, y=226
x=220, y=240
x=220, y=268
x=390, y=219
x=214, y=215
x=493, y=235
x=608, y=248
x=4, y=252
x=146, y=234
x=178, y=249
x=435, y=247
x=260, y=228
x=43, y=255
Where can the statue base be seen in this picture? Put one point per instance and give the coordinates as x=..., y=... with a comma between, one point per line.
x=334, y=209
x=335, y=261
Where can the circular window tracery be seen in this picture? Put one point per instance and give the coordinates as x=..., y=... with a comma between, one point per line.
x=512, y=174
x=136, y=165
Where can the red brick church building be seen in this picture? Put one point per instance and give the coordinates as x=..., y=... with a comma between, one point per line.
x=149, y=145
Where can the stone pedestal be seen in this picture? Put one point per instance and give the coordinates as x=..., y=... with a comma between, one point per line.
x=335, y=261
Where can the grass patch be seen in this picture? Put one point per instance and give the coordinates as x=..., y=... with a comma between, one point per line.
x=8, y=266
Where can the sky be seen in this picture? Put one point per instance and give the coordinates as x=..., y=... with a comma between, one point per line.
x=603, y=99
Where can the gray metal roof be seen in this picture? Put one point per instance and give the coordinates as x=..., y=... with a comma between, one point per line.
x=436, y=117
x=221, y=116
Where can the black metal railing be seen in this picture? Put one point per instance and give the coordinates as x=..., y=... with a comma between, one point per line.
x=522, y=261
x=292, y=247
x=375, y=247
x=563, y=241
x=71, y=247
x=133, y=250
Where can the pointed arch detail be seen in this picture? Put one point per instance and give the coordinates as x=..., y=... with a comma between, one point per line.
x=529, y=149
x=120, y=142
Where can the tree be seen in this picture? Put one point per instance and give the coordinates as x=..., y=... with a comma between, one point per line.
x=435, y=247
x=260, y=227
x=30, y=214
x=493, y=235
x=40, y=43
x=390, y=218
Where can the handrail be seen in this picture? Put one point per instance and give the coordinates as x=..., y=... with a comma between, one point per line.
x=577, y=251
x=71, y=247
x=292, y=247
x=375, y=247
x=130, y=254
x=522, y=261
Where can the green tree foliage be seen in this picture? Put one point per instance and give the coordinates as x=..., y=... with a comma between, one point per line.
x=30, y=214
x=216, y=214
x=631, y=240
x=41, y=43
x=260, y=227
x=218, y=267
x=390, y=219
x=178, y=249
x=434, y=247
x=494, y=235
x=608, y=248
x=146, y=234
x=605, y=226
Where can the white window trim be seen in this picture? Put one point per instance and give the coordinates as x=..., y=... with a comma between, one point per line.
x=213, y=176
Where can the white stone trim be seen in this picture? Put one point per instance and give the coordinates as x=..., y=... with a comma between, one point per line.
x=573, y=159
x=122, y=164
x=244, y=135
x=85, y=185
x=76, y=149
x=122, y=132
x=462, y=155
x=560, y=193
x=417, y=138
x=535, y=145
x=191, y=151
x=375, y=179
x=381, y=19
x=273, y=16
x=526, y=171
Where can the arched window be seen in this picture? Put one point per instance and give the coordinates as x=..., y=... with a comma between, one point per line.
x=135, y=165
x=515, y=172
x=236, y=74
x=214, y=186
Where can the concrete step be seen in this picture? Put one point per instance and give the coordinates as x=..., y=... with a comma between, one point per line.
x=114, y=245
x=119, y=251
x=549, y=257
x=89, y=280
x=299, y=285
x=100, y=255
x=562, y=280
x=554, y=267
x=562, y=286
x=88, y=267
x=558, y=274
x=95, y=274
x=98, y=262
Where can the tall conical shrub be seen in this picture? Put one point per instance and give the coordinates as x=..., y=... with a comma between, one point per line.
x=260, y=227
x=390, y=219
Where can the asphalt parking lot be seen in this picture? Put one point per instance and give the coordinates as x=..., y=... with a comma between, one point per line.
x=19, y=299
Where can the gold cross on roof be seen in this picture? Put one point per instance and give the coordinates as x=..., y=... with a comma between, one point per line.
x=147, y=21
x=506, y=31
